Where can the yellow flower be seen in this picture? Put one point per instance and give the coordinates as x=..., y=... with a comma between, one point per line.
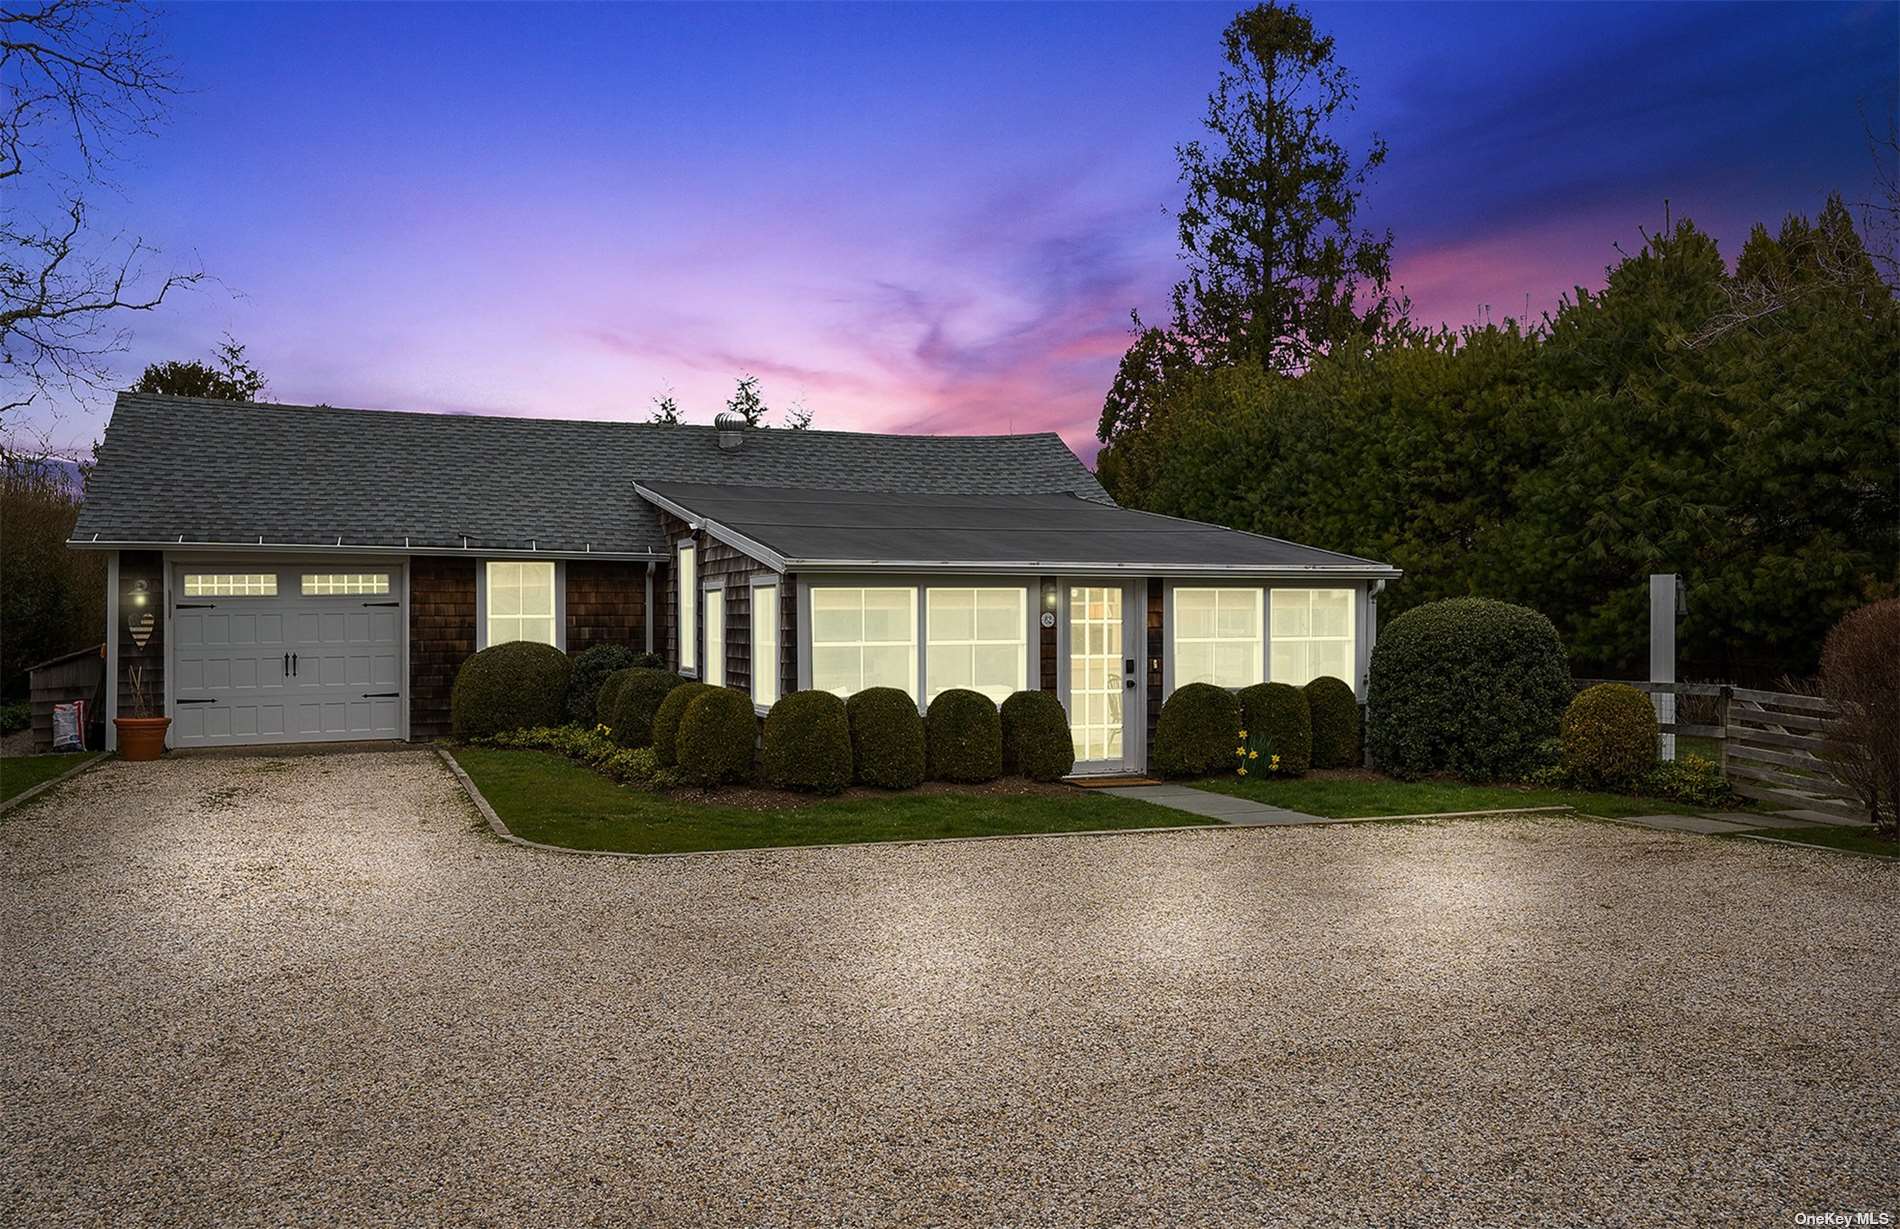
x=1276, y=761
x=1240, y=750
x=1243, y=733
x=1253, y=755
x=1243, y=771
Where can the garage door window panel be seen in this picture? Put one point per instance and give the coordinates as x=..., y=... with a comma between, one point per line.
x=336, y=584
x=230, y=584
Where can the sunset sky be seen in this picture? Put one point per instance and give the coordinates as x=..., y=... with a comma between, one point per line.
x=910, y=218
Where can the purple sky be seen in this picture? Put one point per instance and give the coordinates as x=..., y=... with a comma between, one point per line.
x=909, y=218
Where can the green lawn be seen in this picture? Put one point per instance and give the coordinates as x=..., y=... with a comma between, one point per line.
x=1854, y=840
x=20, y=773
x=1344, y=799
x=551, y=799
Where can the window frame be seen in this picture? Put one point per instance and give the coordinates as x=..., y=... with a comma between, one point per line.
x=762, y=666
x=482, y=640
x=808, y=640
x=686, y=607
x=1350, y=639
x=712, y=665
x=927, y=689
x=1263, y=641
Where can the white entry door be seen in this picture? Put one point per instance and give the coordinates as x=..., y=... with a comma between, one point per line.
x=1101, y=659
x=273, y=653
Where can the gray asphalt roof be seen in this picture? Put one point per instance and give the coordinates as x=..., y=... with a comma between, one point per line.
x=235, y=473
x=974, y=530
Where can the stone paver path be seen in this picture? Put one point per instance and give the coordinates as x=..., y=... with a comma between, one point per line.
x=1241, y=812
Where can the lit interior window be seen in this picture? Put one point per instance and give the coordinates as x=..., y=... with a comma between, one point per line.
x=322, y=583
x=686, y=585
x=1217, y=637
x=765, y=645
x=230, y=584
x=521, y=602
x=864, y=638
x=716, y=637
x=978, y=639
x=1312, y=635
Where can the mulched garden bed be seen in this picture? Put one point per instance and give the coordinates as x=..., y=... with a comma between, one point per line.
x=765, y=798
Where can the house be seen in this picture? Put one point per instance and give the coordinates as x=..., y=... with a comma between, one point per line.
x=303, y=573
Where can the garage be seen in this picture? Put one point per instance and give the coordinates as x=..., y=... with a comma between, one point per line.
x=305, y=652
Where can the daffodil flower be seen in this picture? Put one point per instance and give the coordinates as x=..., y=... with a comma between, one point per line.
x=1243, y=771
x=1253, y=755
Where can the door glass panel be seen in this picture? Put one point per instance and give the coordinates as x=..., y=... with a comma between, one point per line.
x=1095, y=673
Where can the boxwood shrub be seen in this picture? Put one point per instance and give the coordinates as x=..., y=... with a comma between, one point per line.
x=887, y=738
x=1277, y=721
x=963, y=737
x=509, y=687
x=1468, y=686
x=718, y=734
x=808, y=743
x=1036, y=739
x=607, y=699
x=1609, y=737
x=1197, y=733
x=636, y=702
x=666, y=720
x=591, y=669
x=1335, y=711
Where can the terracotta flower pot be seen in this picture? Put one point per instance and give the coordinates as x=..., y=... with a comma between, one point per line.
x=141, y=738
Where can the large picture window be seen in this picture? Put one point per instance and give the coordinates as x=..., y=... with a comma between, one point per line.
x=686, y=590
x=520, y=602
x=1217, y=637
x=978, y=639
x=716, y=637
x=1312, y=635
x=863, y=638
x=765, y=645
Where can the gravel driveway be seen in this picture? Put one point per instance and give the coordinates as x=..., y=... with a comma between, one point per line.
x=310, y=991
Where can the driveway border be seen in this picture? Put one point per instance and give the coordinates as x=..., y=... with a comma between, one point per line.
x=98, y=758
x=500, y=828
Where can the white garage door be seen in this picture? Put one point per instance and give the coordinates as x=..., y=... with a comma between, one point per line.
x=303, y=653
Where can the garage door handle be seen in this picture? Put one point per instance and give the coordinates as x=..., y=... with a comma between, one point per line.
x=381, y=695
x=382, y=603
x=195, y=606
x=210, y=701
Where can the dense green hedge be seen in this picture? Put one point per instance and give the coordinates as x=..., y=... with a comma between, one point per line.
x=887, y=738
x=1036, y=739
x=636, y=702
x=1197, y=733
x=808, y=743
x=1335, y=711
x=1609, y=737
x=963, y=737
x=666, y=720
x=1278, y=722
x=1468, y=686
x=509, y=687
x=718, y=734
x=607, y=699
x=591, y=668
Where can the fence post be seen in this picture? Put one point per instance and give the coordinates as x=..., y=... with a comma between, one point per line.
x=1662, y=651
x=1722, y=699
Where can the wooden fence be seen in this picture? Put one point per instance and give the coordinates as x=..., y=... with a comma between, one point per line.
x=1769, y=743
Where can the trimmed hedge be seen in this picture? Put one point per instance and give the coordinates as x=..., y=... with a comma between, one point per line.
x=1335, y=713
x=1609, y=737
x=887, y=738
x=717, y=735
x=1197, y=731
x=1277, y=712
x=591, y=669
x=666, y=720
x=607, y=699
x=509, y=687
x=808, y=743
x=963, y=737
x=636, y=703
x=1036, y=739
x=1468, y=686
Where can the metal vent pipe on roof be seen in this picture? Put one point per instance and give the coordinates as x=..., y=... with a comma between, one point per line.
x=731, y=428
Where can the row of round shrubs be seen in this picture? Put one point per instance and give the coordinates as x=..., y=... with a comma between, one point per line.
x=1315, y=726
x=520, y=685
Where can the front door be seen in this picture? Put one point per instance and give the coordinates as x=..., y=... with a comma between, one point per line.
x=1102, y=697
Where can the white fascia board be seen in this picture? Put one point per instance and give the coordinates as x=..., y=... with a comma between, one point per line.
x=1058, y=567
x=347, y=548
x=713, y=529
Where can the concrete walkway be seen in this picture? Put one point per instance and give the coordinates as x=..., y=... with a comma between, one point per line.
x=1241, y=812
x=1722, y=823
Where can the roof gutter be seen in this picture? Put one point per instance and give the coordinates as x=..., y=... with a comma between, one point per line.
x=1355, y=571
x=340, y=547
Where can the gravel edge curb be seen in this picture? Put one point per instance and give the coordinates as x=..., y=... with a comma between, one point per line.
x=500, y=829
x=98, y=758
x=1852, y=853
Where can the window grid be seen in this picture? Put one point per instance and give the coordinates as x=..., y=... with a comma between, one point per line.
x=977, y=639
x=716, y=637
x=686, y=586
x=1095, y=673
x=230, y=584
x=521, y=603
x=765, y=645
x=1312, y=635
x=1217, y=637
x=848, y=663
x=319, y=584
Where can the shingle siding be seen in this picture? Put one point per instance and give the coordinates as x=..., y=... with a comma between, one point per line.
x=441, y=638
x=606, y=604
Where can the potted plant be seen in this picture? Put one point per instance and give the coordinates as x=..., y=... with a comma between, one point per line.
x=141, y=737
